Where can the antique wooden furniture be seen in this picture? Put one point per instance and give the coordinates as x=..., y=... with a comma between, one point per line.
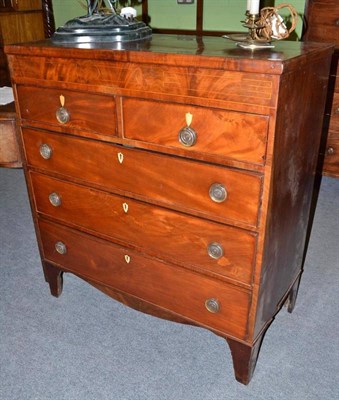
x=4, y=76
x=322, y=25
x=20, y=21
x=9, y=150
x=175, y=175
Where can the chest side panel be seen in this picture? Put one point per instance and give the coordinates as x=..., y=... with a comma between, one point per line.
x=292, y=184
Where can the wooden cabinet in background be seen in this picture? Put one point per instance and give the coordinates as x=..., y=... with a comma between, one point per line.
x=4, y=76
x=175, y=175
x=21, y=26
x=25, y=5
x=9, y=151
x=6, y=5
x=322, y=25
x=20, y=21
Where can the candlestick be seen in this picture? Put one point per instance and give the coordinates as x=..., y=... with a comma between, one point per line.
x=264, y=26
x=254, y=7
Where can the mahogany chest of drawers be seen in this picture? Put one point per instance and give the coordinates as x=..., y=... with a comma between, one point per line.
x=322, y=17
x=175, y=175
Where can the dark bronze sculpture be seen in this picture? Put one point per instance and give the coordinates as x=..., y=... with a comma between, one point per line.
x=102, y=24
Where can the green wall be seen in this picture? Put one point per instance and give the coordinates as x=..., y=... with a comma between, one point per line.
x=227, y=14
x=66, y=9
x=220, y=15
x=169, y=14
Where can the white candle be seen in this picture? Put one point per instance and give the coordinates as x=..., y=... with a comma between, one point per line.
x=248, y=5
x=254, y=7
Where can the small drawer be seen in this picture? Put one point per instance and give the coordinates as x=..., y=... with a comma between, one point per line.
x=227, y=134
x=194, y=243
x=331, y=162
x=68, y=110
x=211, y=303
x=211, y=191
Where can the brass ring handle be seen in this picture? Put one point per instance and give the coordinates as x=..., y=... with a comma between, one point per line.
x=55, y=199
x=330, y=151
x=215, y=250
x=212, y=305
x=60, y=247
x=45, y=151
x=188, y=136
x=218, y=192
x=337, y=22
x=62, y=115
x=336, y=110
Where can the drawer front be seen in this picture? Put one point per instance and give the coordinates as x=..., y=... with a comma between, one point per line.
x=194, y=242
x=331, y=162
x=169, y=287
x=68, y=109
x=169, y=181
x=228, y=134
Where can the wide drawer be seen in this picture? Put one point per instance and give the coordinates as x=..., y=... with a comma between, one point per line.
x=170, y=181
x=172, y=288
x=331, y=162
x=185, y=240
x=68, y=109
x=228, y=134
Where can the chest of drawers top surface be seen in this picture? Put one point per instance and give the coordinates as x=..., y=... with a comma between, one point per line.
x=170, y=173
x=212, y=52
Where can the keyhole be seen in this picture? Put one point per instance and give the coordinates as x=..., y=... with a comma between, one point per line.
x=120, y=158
